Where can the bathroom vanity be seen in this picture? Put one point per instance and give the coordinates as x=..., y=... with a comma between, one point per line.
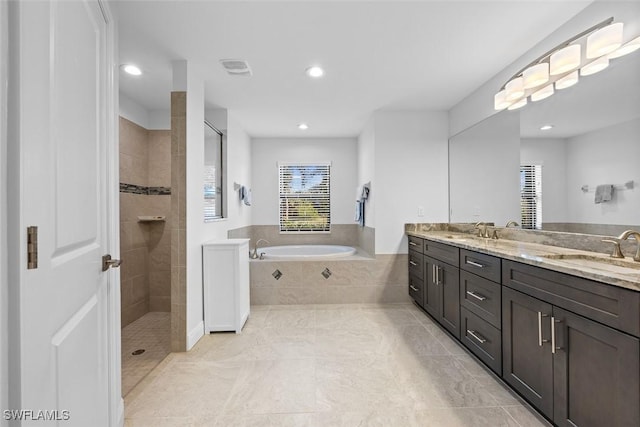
x=560, y=326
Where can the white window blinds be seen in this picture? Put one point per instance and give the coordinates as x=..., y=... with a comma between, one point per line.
x=531, y=196
x=305, y=198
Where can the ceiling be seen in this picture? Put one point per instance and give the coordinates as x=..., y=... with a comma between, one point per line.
x=388, y=55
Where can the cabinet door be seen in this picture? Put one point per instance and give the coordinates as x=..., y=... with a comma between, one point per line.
x=431, y=291
x=596, y=374
x=448, y=279
x=526, y=351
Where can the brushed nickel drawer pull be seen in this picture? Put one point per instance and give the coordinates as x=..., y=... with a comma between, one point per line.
x=413, y=263
x=475, y=264
x=412, y=243
x=553, y=335
x=477, y=336
x=476, y=296
x=414, y=289
x=540, y=340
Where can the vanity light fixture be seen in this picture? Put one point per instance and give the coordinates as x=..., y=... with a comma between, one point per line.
x=543, y=93
x=315, y=72
x=131, y=69
x=303, y=126
x=567, y=81
x=595, y=66
x=626, y=48
x=546, y=127
x=560, y=67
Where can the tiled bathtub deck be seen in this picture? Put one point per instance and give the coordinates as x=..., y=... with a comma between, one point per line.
x=326, y=365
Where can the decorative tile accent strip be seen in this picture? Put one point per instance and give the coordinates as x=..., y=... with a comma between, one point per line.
x=159, y=191
x=141, y=189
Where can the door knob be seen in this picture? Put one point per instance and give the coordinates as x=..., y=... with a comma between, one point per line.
x=107, y=262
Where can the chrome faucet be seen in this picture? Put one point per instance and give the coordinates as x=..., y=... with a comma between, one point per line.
x=510, y=223
x=254, y=254
x=628, y=233
x=482, y=229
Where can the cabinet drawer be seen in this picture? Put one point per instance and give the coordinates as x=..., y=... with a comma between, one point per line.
x=486, y=266
x=416, y=244
x=442, y=252
x=607, y=304
x=482, y=339
x=416, y=289
x=415, y=264
x=481, y=296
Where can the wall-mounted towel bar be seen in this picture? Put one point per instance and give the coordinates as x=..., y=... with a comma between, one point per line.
x=629, y=185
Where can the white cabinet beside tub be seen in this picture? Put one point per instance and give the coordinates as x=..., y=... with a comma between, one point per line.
x=226, y=284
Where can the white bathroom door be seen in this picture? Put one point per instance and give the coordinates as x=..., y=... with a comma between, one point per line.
x=64, y=114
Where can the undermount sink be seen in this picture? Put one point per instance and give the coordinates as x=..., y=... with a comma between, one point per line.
x=452, y=237
x=619, y=265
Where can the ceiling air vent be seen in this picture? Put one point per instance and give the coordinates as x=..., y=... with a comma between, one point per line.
x=236, y=67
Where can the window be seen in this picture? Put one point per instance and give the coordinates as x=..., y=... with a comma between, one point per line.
x=305, y=202
x=213, y=179
x=531, y=196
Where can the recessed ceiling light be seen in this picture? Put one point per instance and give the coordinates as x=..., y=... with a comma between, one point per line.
x=303, y=126
x=131, y=69
x=546, y=127
x=315, y=71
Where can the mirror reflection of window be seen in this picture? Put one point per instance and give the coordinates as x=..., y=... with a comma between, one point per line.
x=213, y=173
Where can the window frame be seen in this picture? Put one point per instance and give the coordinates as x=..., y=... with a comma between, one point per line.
x=324, y=200
x=531, y=196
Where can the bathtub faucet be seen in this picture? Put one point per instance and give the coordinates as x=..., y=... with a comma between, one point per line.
x=254, y=254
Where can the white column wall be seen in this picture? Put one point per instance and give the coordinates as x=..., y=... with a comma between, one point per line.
x=411, y=172
x=366, y=169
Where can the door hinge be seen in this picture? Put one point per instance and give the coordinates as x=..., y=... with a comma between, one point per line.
x=32, y=247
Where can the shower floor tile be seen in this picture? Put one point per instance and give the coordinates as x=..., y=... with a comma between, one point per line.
x=151, y=333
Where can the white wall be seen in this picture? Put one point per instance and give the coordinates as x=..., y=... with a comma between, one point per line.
x=158, y=119
x=267, y=152
x=134, y=112
x=592, y=162
x=4, y=330
x=479, y=105
x=410, y=172
x=551, y=153
x=366, y=152
x=238, y=167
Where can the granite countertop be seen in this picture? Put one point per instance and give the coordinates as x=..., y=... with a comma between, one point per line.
x=596, y=266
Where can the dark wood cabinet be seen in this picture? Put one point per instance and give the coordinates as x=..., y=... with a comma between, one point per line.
x=482, y=338
x=527, y=361
x=574, y=370
x=596, y=374
x=569, y=345
x=442, y=294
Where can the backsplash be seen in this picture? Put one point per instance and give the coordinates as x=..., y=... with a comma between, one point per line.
x=580, y=241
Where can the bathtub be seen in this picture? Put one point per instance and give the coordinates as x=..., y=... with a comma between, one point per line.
x=306, y=251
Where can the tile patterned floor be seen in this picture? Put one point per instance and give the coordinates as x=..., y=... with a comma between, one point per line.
x=326, y=365
x=151, y=332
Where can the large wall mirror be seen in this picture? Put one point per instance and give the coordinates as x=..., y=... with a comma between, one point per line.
x=594, y=140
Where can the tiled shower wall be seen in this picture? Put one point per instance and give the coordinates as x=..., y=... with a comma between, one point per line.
x=145, y=177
